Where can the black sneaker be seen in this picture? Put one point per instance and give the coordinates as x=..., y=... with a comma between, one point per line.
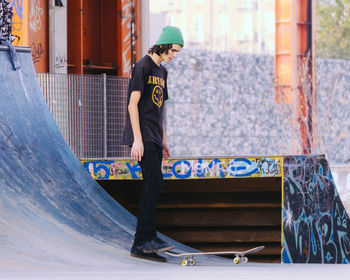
x=157, y=245
x=165, y=244
x=137, y=252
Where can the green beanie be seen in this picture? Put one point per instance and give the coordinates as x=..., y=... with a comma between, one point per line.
x=170, y=35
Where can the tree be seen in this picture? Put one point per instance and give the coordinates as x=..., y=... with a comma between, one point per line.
x=333, y=29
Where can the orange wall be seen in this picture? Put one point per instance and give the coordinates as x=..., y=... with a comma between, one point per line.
x=30, y=26
x=129, y=46
x=100, y=36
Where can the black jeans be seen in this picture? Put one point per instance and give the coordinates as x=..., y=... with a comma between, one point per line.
x=151, y=165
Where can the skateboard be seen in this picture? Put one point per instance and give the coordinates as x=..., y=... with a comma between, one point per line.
x=189, y=260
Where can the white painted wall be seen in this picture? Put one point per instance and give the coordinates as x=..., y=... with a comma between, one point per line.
x=58, y=37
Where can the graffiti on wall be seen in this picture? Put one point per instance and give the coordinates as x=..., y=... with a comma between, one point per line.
x=6, y=14
x=189, y=168
x=316, y=226
x=37, y=52
x=17, y=19
x=35, y=15
x=127, y=7
x=61, y=60
x=29, y=29
x=17, y=15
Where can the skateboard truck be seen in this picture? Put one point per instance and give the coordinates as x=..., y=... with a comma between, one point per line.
x=188, y=261
x=240, y=259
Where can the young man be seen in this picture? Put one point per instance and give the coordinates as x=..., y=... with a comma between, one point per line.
x=144, y=132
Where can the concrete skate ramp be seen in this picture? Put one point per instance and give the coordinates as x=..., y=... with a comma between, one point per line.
x=52, y=213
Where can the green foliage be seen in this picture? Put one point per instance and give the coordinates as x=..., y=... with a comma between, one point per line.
x=333, y=30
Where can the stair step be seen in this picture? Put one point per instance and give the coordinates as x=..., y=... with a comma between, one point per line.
x=216, y=235
x=226, y=217
x=216, y=205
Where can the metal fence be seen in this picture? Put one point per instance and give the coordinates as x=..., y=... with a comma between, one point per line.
x=90, y=111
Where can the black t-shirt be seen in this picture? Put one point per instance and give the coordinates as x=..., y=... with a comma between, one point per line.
x=151, y=80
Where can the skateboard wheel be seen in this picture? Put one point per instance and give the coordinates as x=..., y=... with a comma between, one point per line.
x=236, y=260
x=244, y=260
x=184, y=262
x=192, y=262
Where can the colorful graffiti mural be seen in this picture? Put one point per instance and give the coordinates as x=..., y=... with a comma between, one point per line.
x=6, y=15
x=189, y=168
x=315, y=225
x=17, y=21
x=29, y=24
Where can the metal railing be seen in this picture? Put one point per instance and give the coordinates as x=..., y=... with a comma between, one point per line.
x=90, y=111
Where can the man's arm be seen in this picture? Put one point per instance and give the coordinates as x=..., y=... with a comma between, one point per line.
x=137, y=148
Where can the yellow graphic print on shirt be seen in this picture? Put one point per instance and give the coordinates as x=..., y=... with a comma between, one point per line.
x=157, y=94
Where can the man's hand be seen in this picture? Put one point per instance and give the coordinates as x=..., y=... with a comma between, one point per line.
x=166, y=151
x=137, y=150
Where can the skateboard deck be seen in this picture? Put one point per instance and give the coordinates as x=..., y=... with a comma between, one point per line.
x=240, y=258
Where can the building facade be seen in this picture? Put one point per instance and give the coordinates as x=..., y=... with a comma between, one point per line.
x=224, y=25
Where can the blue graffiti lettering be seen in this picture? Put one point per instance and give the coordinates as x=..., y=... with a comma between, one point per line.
x=237, y=170
x=133, y=170
x=18, y=5
x=99, y=168
x=216, y=163
x=181, y=174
